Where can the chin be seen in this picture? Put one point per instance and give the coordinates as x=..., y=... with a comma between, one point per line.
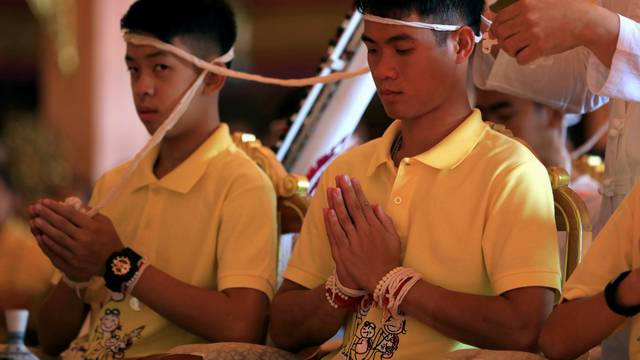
x=396, y=113
x=151, y=129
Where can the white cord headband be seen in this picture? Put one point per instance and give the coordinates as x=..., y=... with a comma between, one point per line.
x=142, y=40
x=416, y=24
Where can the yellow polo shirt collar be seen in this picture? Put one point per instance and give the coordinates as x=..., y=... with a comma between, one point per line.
x=447, y=154
x=184, y=177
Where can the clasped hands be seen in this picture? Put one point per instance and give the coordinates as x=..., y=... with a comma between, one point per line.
x=364, y=243
x=76, y=244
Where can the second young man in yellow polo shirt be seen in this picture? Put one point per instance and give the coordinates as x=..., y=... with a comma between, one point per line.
x=198, y=210
x=441, y=232
x=602, y=292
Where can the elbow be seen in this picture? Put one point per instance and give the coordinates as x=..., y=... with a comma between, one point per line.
x=249, y=332
x=524, y=337
x=280, y=336
x=280, y=329
x=553, y=346
x=526, y=340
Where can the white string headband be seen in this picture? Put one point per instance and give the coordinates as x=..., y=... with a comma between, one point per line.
x=416, y=24
x=142, y=40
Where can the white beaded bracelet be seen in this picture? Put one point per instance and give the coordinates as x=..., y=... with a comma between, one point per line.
x=77, y=286
x=392, y=289
x=347, y=291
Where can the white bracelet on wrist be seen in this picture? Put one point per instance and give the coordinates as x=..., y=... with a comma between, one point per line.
x=77, y=286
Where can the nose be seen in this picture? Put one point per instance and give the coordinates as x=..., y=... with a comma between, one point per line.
x=143, y=85
x=383, y=67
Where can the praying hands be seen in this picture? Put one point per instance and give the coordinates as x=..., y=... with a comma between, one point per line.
x=76, y=244
x=364, y=242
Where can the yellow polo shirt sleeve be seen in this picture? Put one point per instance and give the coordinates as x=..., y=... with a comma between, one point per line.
x=520, y=240
x=616, y=249
x=310, y=264
x=247, y=242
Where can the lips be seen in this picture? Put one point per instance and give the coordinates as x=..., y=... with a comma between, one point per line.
x=389, y=95
x=147, y=113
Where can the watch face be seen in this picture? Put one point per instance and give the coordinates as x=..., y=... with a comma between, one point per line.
x=121, y=265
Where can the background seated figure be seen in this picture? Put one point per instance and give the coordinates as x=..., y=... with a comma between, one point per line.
x=543, y=129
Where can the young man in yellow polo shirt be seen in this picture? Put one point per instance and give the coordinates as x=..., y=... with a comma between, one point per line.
x=437, y=236
x=197, y=210
x=603, y=292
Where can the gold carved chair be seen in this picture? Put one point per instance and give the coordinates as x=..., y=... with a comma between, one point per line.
x=291, y=189
x=572, y=221
x=292, y=201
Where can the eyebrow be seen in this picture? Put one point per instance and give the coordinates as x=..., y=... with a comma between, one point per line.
x=152, y=55
x=393, y=39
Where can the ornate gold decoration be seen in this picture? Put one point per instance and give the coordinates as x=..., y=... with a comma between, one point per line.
x=291, y=189
x=572, y=217
x=590, y=165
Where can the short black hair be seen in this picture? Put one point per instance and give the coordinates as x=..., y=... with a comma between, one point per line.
x=447, y=12
x=207, y=26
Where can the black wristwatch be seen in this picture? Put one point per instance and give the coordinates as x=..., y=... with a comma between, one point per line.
x=121, y=266
x=610, y=293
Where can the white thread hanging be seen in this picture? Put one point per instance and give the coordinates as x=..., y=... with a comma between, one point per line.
x=177, y=113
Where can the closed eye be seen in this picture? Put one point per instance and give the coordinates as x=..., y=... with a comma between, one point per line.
x=160, y=67
x=404, y=51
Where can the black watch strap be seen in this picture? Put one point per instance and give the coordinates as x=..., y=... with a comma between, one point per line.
x=121, y=267
x=610, y=294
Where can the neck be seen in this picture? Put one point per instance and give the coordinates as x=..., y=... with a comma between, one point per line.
x=426, y=131
x=175, y=150
x=554, y=153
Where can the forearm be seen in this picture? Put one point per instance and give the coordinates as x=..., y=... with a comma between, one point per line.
x=600, y=34
x=301, y=318
x=490, y=322
x=213, y=315
x=56, y=332
x=577, y=326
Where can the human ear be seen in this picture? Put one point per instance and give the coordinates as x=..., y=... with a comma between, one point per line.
x=213, y=83
x=465, y=42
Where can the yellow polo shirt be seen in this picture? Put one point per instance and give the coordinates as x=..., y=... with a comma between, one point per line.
x=209, y=223
x=474, y=215
x=615, y=249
